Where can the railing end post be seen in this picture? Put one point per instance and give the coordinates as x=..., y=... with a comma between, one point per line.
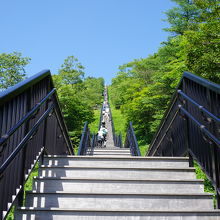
x=191, y=162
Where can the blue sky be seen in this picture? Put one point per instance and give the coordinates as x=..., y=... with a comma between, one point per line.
x=102, y=34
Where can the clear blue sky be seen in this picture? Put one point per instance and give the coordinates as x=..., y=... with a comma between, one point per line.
x=102, y=34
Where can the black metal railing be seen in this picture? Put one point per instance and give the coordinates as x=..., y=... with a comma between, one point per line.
x=85, y=142
x=131, y=141
x=191, y=126
x=101, y=116
x=112, y=125
x=94, y=142
x=118, y=141
x=31, y=125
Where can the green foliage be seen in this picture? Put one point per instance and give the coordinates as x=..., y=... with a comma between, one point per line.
x=71, y=71
x=92, y=93
x=12, y=69
x=201, y=175
x=78, y=97
x=143, y=88
x=182, y=18
x=10, y=215
x=202, y=47
x=29, y=183
x=118, y=118
x=207, y=183
x=143, y=149
x=27, y=187
x=94, y=126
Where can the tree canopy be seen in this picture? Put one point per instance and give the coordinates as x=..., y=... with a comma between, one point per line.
x=142, y=88
x=78, y=96
x=12, y=69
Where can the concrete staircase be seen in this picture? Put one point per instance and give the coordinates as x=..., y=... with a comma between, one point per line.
x=113, y=185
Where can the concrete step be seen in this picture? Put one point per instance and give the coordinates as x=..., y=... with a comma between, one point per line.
x=111, y=152
x=132, y=162
x=113, y=155
x=124, y=173
x=113, y=149
x=123, y=201
x=26, y=213
x=117, y=186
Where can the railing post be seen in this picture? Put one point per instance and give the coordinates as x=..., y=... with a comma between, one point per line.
x=215, y=172
x=214, y=153
x=45, y=128
x=120, y=140
x=21, y=193
x=85, y=140
x=187, y=138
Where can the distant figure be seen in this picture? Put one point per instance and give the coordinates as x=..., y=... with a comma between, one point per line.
x=100, y=138
x=107, y=109
x=104, y=132
x=106, y=117
x=103, y=124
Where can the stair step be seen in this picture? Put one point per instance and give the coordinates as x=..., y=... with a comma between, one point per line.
x=125, y=173
x=124, y=201
x=108, y=147
x=116, y=186
x=95, y=214
x=111, y=150
x=111, y=153
x=131, y=162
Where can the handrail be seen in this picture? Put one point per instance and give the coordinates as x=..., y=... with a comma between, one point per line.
x=201, y=126
x=131, y=141
x=25, y=140
x=30, y=114
x=101, y=117
x=22, y=86
x=196, y=131
x=194, y=78
x=201, y=108
x=112, y=124
x=118, y=141
x=85, y=140
x=93, y=143
x=32, y=124
x=204, y=82
x=165, y=133
x=63, y=126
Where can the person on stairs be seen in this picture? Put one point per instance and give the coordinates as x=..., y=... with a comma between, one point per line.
x=104, y=132
x=106, y=117
x=100, y=138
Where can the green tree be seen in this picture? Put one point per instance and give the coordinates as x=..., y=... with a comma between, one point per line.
x=71, y=71
x=201, y=48
x=12, y=69
x=92, y=92
x=183, y=17
x=78, y=96
x=143, y=88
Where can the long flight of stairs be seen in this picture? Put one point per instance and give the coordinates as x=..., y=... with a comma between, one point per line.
x=113, y=185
